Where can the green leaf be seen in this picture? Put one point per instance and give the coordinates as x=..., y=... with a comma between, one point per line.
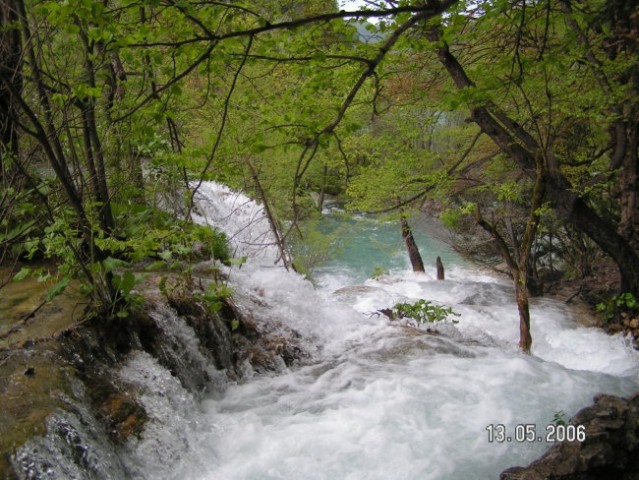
x=86, y=289
x=111, y=263
x=162, y=285
x=22, y=274
x=165, y=255
x=155, y=265
x=58, y=288
x=124, y=282
x=128, y=282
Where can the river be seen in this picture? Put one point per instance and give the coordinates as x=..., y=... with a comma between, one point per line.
x=377, y=399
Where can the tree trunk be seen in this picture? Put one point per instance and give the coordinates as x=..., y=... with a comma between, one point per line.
x=521, y=285
x=519, y=272
x=279, y=238
x=94, y=147
x=10, y=68
x=629, y=187
x=525, y=338
x=413, y=251
x=47, y=134
x=440, y=269
x=622, y=16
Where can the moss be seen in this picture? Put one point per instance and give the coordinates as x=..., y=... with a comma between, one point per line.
x=24, y=316
x=33, y=384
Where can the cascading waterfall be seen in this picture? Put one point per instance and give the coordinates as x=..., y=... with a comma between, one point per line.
x=378, y=399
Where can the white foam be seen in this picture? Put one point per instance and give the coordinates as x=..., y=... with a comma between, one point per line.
x=420, y=414
x=243, y=221
x=386, y=401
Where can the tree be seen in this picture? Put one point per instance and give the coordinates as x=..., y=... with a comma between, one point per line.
x=543, y=83
x=11, y=177
x=10, y=67
x=514, y=139
x=285, y=92
x=109, y=83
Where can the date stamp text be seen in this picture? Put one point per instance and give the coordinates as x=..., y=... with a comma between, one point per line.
x=529, y=433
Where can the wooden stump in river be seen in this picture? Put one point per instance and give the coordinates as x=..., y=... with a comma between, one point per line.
x=440, y=269
x=413, y=251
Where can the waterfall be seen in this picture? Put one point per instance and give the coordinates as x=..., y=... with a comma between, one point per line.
x=383, y=399
x=371, y=398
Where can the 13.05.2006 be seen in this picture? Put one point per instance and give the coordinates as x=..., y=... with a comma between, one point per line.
x=527, y=432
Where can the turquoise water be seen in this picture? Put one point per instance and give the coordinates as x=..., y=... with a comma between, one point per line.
x=365, y=245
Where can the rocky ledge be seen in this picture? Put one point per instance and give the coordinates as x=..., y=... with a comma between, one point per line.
x=610, y=450
x=67, y=414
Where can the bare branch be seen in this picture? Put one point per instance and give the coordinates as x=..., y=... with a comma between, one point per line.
x=218, y=138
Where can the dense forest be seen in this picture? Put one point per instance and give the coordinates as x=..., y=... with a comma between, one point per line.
x=517, y=122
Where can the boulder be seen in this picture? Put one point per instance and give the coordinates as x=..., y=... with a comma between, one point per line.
x=609, y=451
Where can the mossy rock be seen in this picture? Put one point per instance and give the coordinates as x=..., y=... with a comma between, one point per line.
x=33, y=385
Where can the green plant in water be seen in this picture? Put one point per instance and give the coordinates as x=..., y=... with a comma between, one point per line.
x=378, y=272
x=424, y=311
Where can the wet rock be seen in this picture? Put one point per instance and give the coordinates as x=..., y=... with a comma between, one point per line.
x=488, y=294
x=610, y=450
x=74, y=446
x=48, y=428
x=118, y=410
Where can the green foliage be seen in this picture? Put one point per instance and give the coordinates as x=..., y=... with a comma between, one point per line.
x=188, y=109
x=617, y=304
x=127, y=299
x=450, y=218
x=152, y=233
x=58, y=288
x=378, y=272
x=559, y=418
x=314, y=243
x=424, y=311
x=143, y=234
x=214, y=296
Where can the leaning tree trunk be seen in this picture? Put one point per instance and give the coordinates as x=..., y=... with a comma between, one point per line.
x=622, y=42
x=517, y=143
x=280, y=240
x=413, y=251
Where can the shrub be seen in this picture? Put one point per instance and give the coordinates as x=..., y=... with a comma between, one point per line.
x=618, y=304
x=424, y=311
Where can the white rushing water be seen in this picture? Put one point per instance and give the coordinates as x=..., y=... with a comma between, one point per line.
x=379, y=400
